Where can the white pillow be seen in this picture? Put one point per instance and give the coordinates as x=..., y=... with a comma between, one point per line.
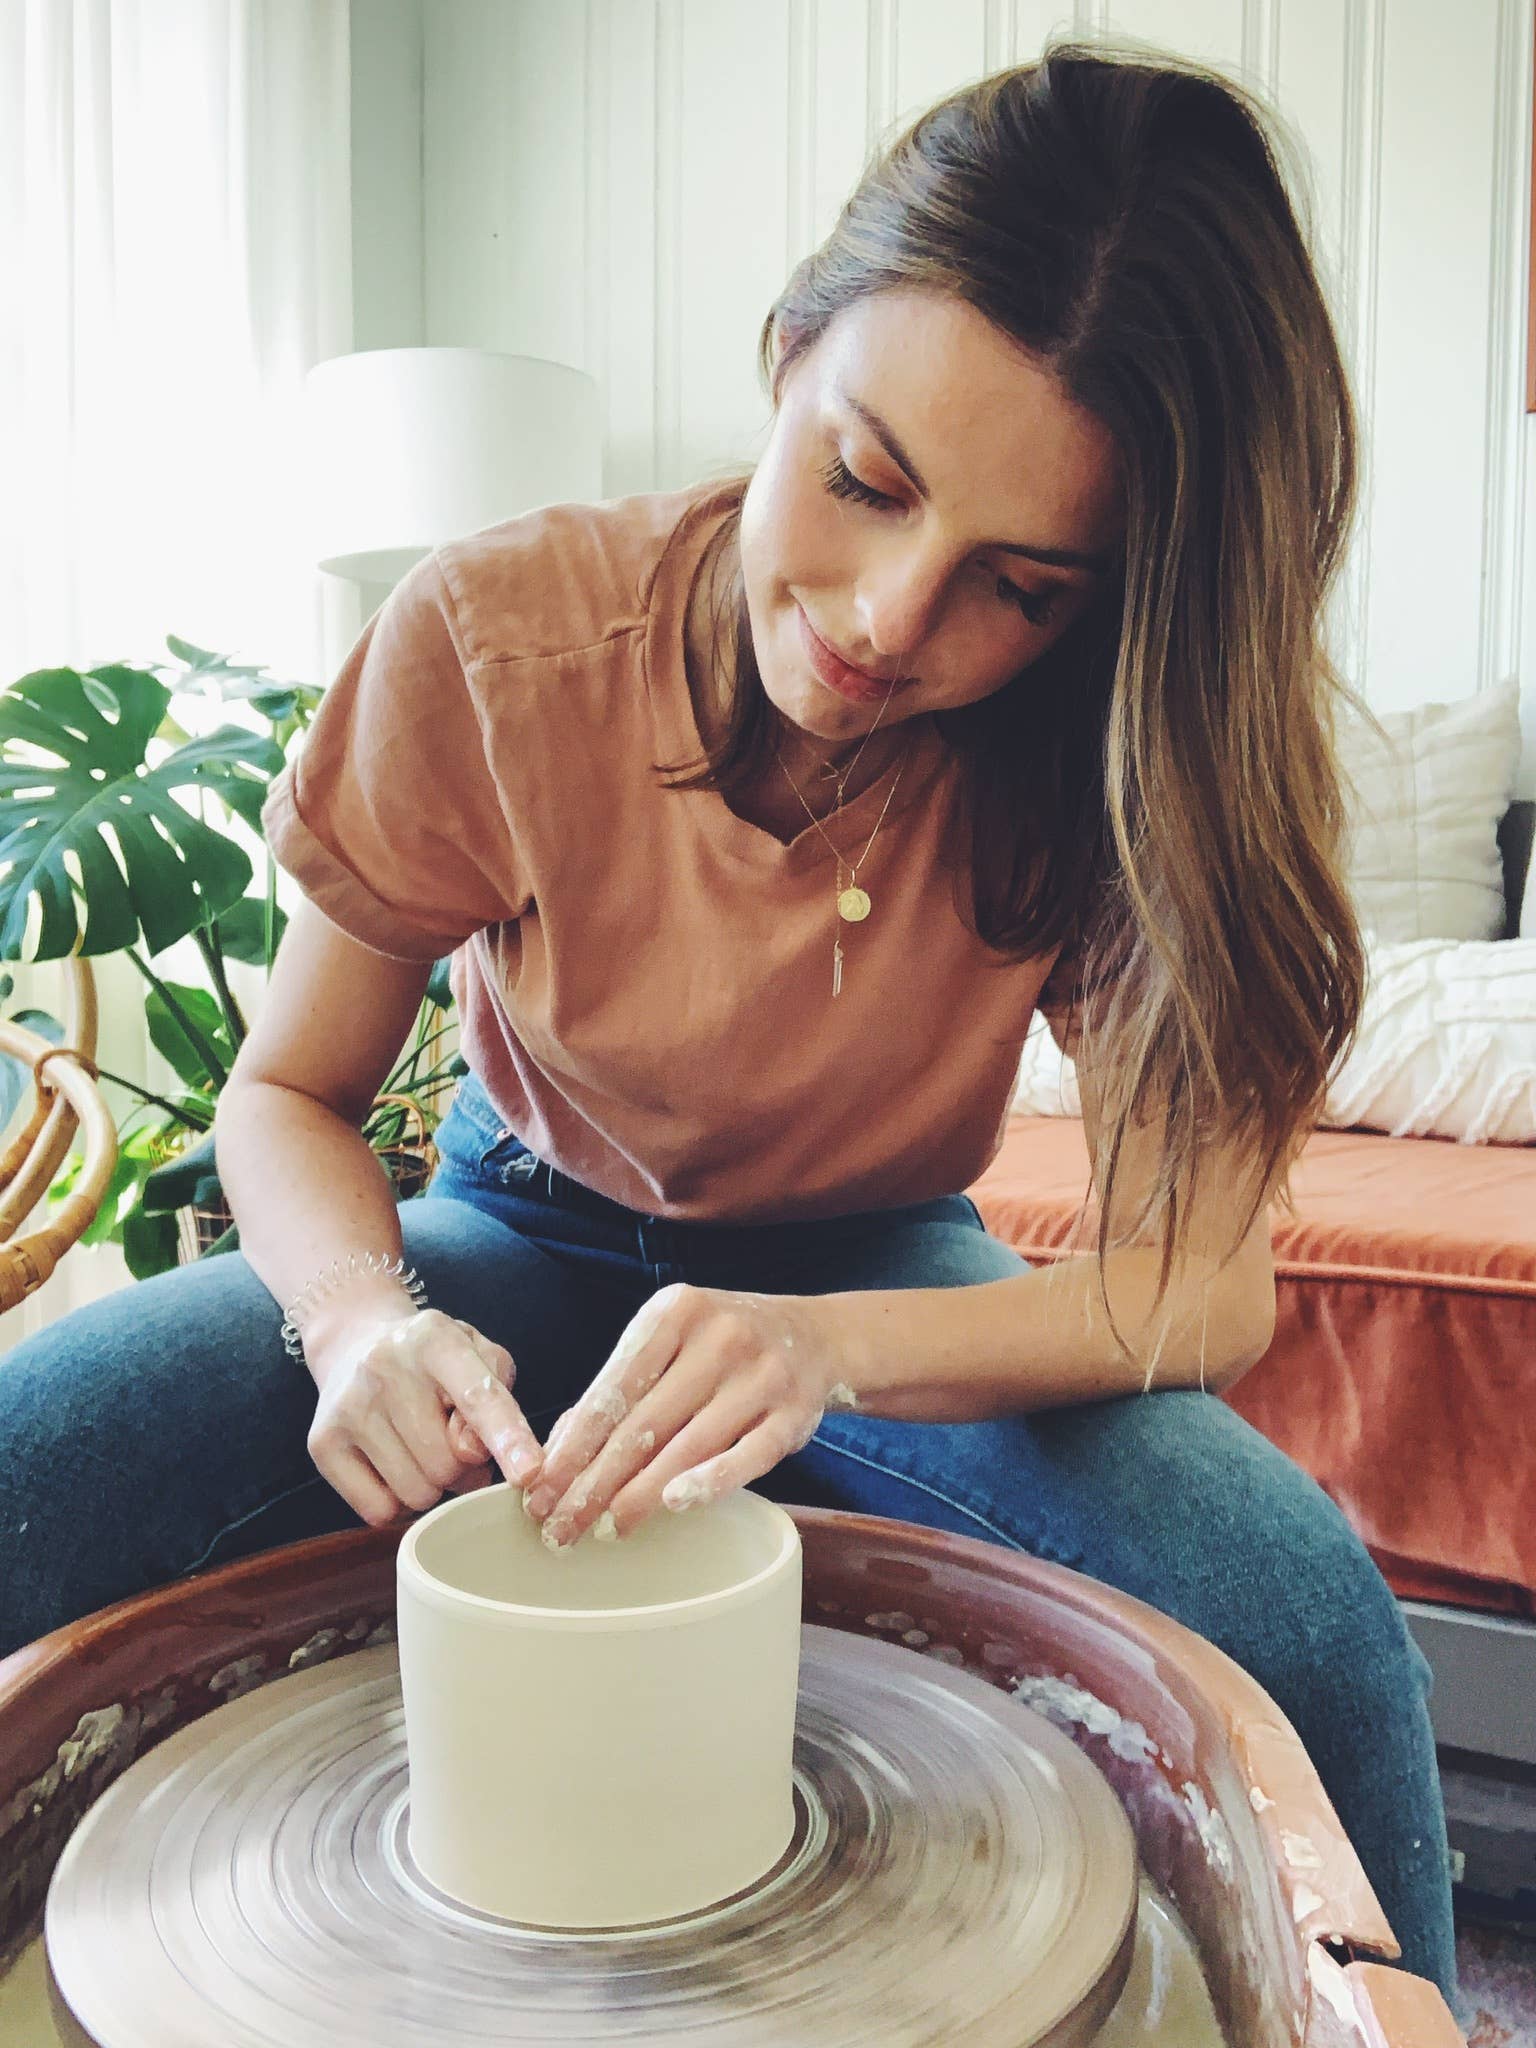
x=1425, y=808
x=1446, y=1047
x=1047, y=1084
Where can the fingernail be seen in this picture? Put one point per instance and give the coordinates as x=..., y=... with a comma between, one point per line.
x=540, y=1501
x=521, y=1464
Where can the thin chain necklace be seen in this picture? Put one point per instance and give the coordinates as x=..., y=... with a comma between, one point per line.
x=853, y=904
x=844, y=775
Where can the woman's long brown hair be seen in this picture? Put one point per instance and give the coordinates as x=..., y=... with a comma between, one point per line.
x=1156, y=793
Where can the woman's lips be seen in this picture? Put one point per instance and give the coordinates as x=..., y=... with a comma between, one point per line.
x=836, y=674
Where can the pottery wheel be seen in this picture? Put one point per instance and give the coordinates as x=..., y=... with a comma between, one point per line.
x=959, y=1873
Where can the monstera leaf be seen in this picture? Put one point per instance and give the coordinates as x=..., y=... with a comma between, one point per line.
x=234, y=681
x=243, y=932
x=146, y=864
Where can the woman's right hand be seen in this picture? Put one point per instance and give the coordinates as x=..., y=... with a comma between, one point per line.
x=413, y=1404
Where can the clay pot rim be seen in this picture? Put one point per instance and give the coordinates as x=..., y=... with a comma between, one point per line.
x=425, y=1585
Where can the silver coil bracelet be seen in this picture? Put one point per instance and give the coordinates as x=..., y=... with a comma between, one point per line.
x=337, y=1274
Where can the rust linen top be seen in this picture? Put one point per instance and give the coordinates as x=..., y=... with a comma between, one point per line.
x=644, y=978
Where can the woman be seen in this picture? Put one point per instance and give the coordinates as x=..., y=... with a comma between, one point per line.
x=746, y=944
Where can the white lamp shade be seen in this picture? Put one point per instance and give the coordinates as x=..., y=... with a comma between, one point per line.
x=411, y=447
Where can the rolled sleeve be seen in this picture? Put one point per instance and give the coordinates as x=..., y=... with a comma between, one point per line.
x=389, y=817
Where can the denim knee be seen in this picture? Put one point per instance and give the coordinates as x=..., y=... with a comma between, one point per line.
x=1327, y=1639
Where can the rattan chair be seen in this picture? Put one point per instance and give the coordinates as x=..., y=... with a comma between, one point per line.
x=67, y=1098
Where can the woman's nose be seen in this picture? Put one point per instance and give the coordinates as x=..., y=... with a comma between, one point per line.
x=895, y=611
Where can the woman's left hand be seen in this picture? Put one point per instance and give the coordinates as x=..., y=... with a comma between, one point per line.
x=705, y=1391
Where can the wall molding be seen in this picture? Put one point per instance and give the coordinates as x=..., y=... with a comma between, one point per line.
x=882, y=46
x=669, y=311
x=596, y=227
x=1364, y=86
x=800, y=134
x=1503, y=538
x=1261, y=45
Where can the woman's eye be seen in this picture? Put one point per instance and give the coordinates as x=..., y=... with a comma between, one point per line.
x=840, y=480
x=842, y=483
x=1037, y=610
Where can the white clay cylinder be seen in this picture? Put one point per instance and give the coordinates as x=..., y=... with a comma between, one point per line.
x=602, y=1737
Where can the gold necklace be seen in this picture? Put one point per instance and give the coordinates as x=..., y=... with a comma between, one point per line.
x=853, y=904
x=844, y=775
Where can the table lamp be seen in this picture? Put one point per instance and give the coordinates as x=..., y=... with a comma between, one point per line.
x=411, y=447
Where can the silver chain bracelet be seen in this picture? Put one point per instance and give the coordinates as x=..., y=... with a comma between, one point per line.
x=337, y=1274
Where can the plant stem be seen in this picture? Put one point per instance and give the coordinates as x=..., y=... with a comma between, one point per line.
x=390, y=1116
x=199, y=1043
x=148, y=1095
x=269, y=915
x=207, y=937
x=414, y=1055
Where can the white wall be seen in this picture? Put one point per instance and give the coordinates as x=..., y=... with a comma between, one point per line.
x=624, y=184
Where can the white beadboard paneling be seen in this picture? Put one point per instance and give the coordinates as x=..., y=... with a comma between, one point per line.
x=835, y=138
x=625, y=184
x=386, y=60
x=729, y=198
x=800, y=127
x=1261, y=44
x=504, y=185
x=937, y=49
x=1430, y=385
x=1307, y=89
x=625, y=160
x=1030, y=24
x=666, y=282
x=883, y=91
x=472, y=71
x=1525, y=784
x=594, y=249
x=1504, y=412
x=1348, y=262
x=1210, y=30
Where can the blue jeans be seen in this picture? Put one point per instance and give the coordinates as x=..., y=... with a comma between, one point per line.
x=162, y=1431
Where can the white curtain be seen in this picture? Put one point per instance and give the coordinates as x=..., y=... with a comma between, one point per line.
x=175, y=252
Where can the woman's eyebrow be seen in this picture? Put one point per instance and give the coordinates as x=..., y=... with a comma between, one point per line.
x=1054, y=558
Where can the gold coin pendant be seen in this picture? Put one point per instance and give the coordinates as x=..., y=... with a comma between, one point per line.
x=852, y=906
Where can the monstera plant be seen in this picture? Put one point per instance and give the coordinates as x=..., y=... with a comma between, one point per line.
x=117, y=836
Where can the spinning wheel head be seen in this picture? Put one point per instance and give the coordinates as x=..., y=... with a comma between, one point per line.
x=957, y=1870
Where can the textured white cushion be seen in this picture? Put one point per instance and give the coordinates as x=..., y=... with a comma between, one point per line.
x=1446, y=1047
x=1425, y=809
x=1047, y=1078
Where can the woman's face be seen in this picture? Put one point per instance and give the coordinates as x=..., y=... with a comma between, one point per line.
x=973, y=452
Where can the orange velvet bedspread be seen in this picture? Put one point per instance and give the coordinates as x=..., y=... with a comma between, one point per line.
x=1402, y=1374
